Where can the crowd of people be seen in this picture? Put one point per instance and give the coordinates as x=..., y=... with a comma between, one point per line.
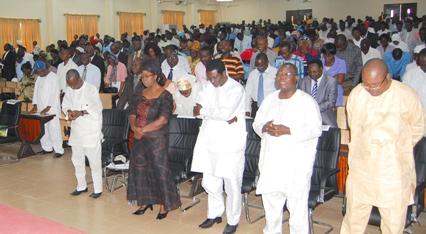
x=289, y=78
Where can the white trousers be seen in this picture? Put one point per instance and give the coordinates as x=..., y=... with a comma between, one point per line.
x=52, y=138
x=78, y=159
x=297, y=206
x=214, y=188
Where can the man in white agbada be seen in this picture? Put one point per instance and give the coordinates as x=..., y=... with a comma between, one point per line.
x=46, y=101
x=186, y=97
x=416, y=79
x=289, y=123
x=64, y=67
x=219, y=151
x=82, y=106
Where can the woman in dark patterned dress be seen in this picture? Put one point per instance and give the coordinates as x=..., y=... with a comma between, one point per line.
x=150, y=180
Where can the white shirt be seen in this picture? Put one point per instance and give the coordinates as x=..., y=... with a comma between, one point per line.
x=252, y=85
x=200, y=73
x=62, y=73
x=219, y=150
x=346, y=32
x=241, y=45
x=288, y=157
x=29, y=57
x=180, y=69
x=416, y=79
x=86, y=129
x=411, y=65
x=46, y=93
x=318, y=84
x=372, y=53
x=185, y=105
x=93, y=75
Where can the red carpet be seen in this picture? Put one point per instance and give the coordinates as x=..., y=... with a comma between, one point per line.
x=14, y=221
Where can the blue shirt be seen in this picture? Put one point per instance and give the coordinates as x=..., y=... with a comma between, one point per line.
x=397, y=67
x=296, y=60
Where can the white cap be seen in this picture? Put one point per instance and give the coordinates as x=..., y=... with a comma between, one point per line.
x=396, y=37
x=419, y=48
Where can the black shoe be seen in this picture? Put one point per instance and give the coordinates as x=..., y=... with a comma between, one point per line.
x=162, y=215
x=45, y=152
x=141, y=211
x=209, y=222
x=76, y=192
x=58, y=155
x=229, y=229
x=95, y=195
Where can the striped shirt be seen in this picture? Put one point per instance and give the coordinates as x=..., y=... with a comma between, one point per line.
x=296, y=60
x=233, y=66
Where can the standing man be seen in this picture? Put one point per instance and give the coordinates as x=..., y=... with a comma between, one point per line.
x=89, y=72
x=386, y=121
x=67, y=64
x=132, y=86
x=260, y=83
x=262, y=47
x=136, y=53
x=219, y=151
x=233, y=65
x=82, y=106
x=98, y=61
x=323, y=89
x=46, y=101
x=351, y=54
x=289, y=123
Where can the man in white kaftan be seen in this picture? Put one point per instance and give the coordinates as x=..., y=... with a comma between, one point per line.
x=289, y=123
x=46, y=101
x=219, y=151
x=82, y=105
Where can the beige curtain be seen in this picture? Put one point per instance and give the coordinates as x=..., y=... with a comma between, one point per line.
x=81, y=24
x=174, y=17
x=26, y=30
x=207, y=17
x=130, y=23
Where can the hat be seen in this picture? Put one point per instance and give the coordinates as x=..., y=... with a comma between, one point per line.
x=39, y=65
x=183, y=85
x=418, y=48
x=19, y=42
x=185, y=82
x=396, y=37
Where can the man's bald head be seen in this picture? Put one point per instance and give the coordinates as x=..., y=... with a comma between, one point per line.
x=73, y=79
x=375, y=77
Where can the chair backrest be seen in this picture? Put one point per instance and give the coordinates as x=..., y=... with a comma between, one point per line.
x=326, y=157
x=420, y=160
x=252, y=153
x=9, y=116
x=183, y=134
x=115, y=127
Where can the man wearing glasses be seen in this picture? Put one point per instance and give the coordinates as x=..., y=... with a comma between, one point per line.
x=289, y=123
x=386, y=121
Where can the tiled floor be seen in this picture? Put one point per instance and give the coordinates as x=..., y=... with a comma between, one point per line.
x=41, y=184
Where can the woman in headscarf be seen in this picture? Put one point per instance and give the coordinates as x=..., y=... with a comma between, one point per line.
x=116, y=74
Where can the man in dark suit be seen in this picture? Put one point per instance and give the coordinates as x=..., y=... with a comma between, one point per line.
x=116, y=50
x=132, y=86
x=97, y=61
x=323, y=89
x=9, y=62
x=137, y=52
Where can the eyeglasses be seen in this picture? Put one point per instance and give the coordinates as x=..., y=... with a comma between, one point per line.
x=375, y=88
x=286, y=75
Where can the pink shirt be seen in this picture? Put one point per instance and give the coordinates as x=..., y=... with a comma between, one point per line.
x=200, y=72
x=121, y=73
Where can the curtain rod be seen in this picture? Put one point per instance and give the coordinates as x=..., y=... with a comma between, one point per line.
x=205, y=10
x=127, y=12
x=69, y=14
x=39, y=20
x=163, y=11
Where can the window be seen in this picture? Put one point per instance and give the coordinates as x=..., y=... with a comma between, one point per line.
x=81, y=24
x=400, y=10
x=26, y=30
x=130, y=22
x=207, y=17
x=173, y=18
x=297, y=16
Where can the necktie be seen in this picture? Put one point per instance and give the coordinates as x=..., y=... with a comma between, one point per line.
x=315, y=90
x=83, y=77
x=260, y=95
x=170, y=76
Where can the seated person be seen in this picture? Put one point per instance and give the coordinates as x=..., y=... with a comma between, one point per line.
x=397, y=61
